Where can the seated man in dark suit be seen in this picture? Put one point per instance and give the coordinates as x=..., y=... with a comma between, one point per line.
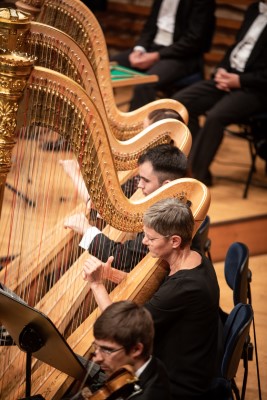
x=237, y=91
x=171, y=45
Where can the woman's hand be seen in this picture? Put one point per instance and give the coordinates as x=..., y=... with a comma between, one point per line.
x=93, y=269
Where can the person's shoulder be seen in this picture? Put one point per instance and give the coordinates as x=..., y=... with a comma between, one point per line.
x=155, y=369
x=154, y=381
x=252, y=9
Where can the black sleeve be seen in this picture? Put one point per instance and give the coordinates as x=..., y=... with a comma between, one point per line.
x=194, y=27
x=254, y=77
x=195, y=32
x=126, y=255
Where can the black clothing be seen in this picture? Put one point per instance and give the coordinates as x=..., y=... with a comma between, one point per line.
x=96, y=5
x=154, y=382
x=185, y=310
x=194, y=26
x=224, y=108
x=127, y=254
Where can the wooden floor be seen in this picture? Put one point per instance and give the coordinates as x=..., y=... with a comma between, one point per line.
x=234, y=218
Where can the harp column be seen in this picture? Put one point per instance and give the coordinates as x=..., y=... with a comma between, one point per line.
x=15, y=69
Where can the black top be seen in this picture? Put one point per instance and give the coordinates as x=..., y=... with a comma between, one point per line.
x=154, y=382
x=185, y=312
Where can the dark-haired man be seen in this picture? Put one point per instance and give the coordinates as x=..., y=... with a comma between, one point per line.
x=124, y=335
x=157, y=166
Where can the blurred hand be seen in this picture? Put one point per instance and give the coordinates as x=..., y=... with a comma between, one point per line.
x=226, y=80
x=78, y=223
x=143, y=60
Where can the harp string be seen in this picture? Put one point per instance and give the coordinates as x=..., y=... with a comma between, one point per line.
x=72, y=56
x=90, y=173
x=80, y=23
x=50, y=174
x=17, y=363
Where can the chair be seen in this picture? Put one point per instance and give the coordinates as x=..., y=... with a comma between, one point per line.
x=201, y=240
x=254, y=131
x=238, y=277
x=236, y=271
x=235, y=333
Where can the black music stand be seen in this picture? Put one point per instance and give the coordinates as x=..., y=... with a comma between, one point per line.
x=35, y=334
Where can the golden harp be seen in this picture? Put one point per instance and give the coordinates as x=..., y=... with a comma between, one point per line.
x=74, y=18
x=55, y=102
x=56, y=50
x=125, y=157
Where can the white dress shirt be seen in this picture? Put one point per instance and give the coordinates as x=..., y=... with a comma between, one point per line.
x=166, y=22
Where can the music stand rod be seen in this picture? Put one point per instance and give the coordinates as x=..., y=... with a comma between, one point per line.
x=30, y=341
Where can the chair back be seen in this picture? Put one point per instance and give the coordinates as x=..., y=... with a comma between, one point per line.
x=236, y=271
x=258, y=126
x=201, y=240
x=235, y=333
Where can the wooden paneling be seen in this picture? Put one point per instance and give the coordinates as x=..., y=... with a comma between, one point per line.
x=247, y=230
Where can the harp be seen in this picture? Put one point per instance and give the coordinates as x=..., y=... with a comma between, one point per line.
x=56, y=50
x=52, y=101
x=74, y=18
x=125, y=157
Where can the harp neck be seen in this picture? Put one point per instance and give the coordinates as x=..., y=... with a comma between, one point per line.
x=56, y=50
x=81, y=24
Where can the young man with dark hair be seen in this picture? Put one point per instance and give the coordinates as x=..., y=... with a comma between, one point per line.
x=157, y=166
x=124, y=335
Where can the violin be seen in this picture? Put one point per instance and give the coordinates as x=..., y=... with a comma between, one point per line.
x=119, y=386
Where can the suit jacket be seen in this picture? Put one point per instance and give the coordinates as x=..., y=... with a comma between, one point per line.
x=194, y=28
x=154, y=382
x=254, y=77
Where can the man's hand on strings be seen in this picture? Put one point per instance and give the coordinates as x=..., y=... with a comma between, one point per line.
x=94, y=269
x=78, y=223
